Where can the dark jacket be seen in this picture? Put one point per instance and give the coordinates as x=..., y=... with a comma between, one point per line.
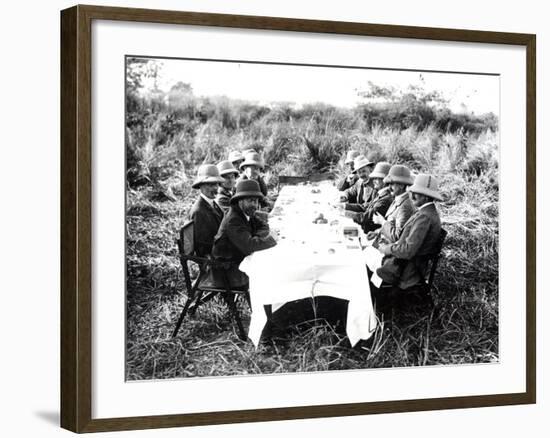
x=419, y=238
x=379, y=204
x=237, y=238
x=397, y=215
x=344, y=184
x=358, y=196
x=207, y=220
x=223, y=198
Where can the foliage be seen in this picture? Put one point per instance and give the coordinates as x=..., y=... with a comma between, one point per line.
x=416, y=107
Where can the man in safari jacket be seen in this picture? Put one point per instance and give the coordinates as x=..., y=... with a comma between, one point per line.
x=401, y=209
x=251, y=169
x=206, y=213
x=361, y=193
x=227, y=188
x=420, y=236
x=382, y=200
x=351, y=178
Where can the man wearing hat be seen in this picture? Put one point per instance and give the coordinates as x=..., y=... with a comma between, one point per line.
x=236, y=158
x=242, y=232
x=251, y=167
x=350, y=179
x=206, y=213
x=382, y=200
x=361, y=193
x=227, y=188
x=420, y=235
x=401, y=209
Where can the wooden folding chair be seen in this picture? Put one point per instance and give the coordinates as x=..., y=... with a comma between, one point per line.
x=196, y=289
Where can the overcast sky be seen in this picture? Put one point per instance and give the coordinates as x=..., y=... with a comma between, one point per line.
x=337, y=86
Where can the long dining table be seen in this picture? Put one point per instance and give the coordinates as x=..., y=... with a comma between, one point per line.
x=318, y=253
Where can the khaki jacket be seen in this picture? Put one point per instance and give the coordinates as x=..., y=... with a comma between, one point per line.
x=344, y=184
x=358, y=196
x=419, y=239
x=397, y=215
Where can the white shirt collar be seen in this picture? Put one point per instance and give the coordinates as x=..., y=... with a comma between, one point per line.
x=426, y=204
x=207, y=199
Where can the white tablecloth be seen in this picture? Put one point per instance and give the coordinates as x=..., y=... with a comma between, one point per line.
x=310, y=260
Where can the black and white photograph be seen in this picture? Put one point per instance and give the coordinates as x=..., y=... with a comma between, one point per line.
x=290, y=218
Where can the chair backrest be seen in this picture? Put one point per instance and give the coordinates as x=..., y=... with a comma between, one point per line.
x=316, y=177
x=297, y=179
x=291, y=180
x=435, y=256
x=441, y=240
x=186, y=247
x=186, y=241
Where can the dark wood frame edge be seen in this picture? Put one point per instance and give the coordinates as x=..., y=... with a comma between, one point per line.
x=76, y=340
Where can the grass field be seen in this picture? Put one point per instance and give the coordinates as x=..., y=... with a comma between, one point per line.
x=164, y=145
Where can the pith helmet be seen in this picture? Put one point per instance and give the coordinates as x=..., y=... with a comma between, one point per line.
x=225, y=167
x=252, y=159
x=361, y=161
x=235, y=156
x=380, y=170
x=426, y=185
x=207, y=173
x=350, y=156
x=399, y=174
x=246, y=188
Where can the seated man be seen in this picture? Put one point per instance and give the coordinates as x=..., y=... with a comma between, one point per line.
x=351, y=178
x=251, y=167
x=206, y=213
x=227, y=187
x=381, y=202
x=361, y=193
x=236, y=158
x=419, y=238
x=242, y=232
x=400, y=210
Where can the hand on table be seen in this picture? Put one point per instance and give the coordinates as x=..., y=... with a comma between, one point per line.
x=274, y=235
x=340, y=206
x=378, y=219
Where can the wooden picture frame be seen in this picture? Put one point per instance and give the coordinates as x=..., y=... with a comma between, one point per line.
x=76, y=217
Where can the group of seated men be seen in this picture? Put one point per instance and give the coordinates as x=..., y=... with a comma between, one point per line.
x=396, y=211
x=398, y=214
x=226, y=224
